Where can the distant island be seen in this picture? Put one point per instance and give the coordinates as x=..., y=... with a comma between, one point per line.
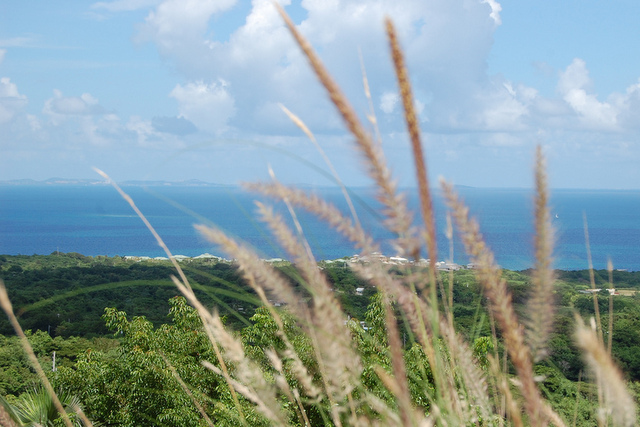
x=94, y=182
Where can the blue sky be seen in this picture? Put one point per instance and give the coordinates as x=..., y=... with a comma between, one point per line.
x=184, y=89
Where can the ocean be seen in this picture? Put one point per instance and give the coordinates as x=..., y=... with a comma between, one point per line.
x=95, y=220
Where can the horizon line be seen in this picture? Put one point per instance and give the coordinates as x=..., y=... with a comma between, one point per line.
x=194, y=182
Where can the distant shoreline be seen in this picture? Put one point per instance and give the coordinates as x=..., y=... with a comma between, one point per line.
x=353, y=259
x=94, y=219
x=27, y=182
x=101, y=182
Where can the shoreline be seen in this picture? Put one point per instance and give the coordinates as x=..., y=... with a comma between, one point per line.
x=353, y=259
x=76, y=218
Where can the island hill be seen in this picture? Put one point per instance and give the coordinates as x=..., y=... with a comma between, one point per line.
x=94, y=182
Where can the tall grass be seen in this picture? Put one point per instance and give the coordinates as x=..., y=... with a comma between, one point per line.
x=456, y=390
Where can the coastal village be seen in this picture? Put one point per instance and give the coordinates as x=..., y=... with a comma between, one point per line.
x=346, y=261
x=355, y=259
x=397, y=260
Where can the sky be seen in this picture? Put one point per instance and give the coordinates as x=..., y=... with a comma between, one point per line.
x=192, y=89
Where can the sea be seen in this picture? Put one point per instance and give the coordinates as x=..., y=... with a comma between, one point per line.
x=96, y=220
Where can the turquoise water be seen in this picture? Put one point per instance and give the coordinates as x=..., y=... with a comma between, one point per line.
x=95, y=220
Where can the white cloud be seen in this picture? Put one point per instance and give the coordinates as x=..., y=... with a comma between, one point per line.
x=262, y=38
x=124, y=5
x=59, y=107
x=11, y=101
x=34, y=123
x=16, y=42
x=419, y=107
x=173, y=125
x=388, y=102
x=2, y=53
x=505, y=115
x=505, y=107
x=495, y=11
x=208, y=106
x=628, y=105
x=147, y=136
x=447, y=43
x=575, y=76
x=75, y=121
x=142, y=128
x=8, y=89
x=177, y=23
x=573, y=85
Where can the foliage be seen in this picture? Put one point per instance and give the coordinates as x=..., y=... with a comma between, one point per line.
x=135, y=383
x=35, y=408
x=87, y=362
x=64, y=294
x=16, y=374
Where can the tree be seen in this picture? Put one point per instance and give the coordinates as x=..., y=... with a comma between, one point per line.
x=137, y=383
x=36, y=408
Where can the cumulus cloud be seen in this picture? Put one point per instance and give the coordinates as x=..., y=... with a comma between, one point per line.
x=388, y=102
x=146, y=134
x=574, y=85
x=179, y=27
x=628, y=106
x=124, y=5
x=60, y=105
x=505, y=107
x=173, y=125
x=208, y=105
x=74, y=121
x=495, y=11
x=447, y=43
x=142, y=128
x=11, y=101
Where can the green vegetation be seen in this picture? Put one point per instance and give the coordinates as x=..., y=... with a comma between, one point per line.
x=36, y=408
x=65, y=294
x=140, y=364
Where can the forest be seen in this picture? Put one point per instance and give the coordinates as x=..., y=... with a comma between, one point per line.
x=121, y=332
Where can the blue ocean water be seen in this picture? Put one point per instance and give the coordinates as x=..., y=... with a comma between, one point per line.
x=95, y=220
